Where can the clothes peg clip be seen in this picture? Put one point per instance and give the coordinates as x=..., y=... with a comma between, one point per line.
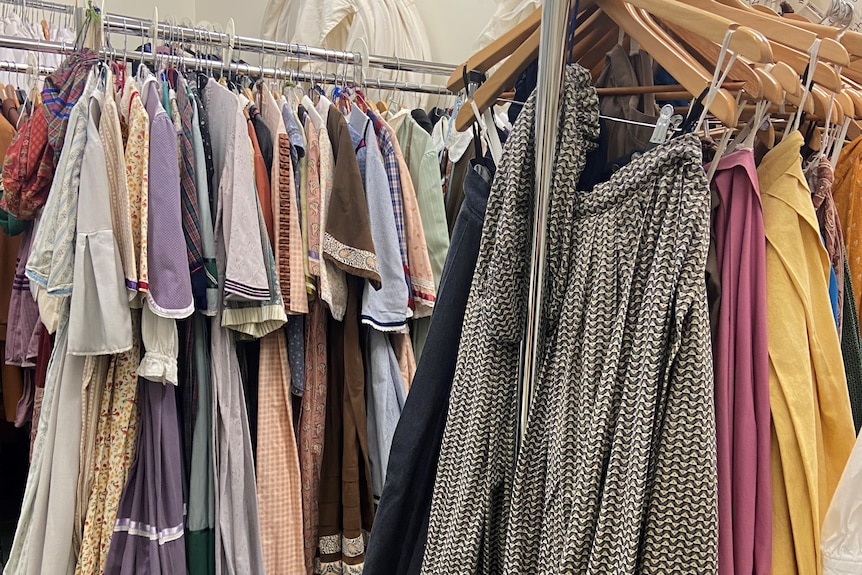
x=659, y=133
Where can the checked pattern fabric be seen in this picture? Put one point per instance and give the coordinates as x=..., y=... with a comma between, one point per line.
x=616, y=473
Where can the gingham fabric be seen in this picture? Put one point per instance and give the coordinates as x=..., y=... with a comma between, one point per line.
x=616, y=472
x=278, y=479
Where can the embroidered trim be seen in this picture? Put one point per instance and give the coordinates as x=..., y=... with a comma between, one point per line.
x=337, y=568
x=356, y=259
x=139, y=529
x=330, y=544
x=353, y=547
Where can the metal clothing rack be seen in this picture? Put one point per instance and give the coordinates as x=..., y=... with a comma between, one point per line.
x=141, y=27
x=191, y=62
x=552, y=44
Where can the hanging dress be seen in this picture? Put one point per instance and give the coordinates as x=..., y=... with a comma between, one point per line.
x=616, y=470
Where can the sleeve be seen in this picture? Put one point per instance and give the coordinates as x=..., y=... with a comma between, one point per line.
x=246, y=273
x=162, y=347
x=99, y=322
x=348, y=242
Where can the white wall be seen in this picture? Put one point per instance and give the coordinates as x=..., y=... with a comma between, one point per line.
x=452, y=25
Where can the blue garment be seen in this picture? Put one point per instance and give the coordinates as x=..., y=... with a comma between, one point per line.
x=833, y=294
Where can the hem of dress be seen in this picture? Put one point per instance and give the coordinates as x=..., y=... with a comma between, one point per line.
x=254, y=322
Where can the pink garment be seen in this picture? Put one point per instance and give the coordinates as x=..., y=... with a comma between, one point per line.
x=742, y=372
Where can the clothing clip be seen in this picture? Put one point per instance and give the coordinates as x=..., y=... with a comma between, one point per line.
x=659, y=134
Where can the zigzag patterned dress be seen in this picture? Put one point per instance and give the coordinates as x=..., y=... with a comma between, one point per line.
x=617, y=471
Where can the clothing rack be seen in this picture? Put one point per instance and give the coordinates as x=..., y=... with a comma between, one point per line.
x=552, y=48
x=142, y=27
x=191, y=62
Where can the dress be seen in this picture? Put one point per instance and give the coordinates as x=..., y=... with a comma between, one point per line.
x=616, y=470
x=149, y=531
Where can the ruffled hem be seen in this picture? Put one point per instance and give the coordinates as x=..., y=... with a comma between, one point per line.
x=159, y=368
x=254, y=322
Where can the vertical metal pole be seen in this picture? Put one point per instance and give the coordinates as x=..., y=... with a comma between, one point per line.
x=555, y=19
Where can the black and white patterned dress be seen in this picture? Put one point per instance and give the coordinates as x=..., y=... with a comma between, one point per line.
x=617, y=472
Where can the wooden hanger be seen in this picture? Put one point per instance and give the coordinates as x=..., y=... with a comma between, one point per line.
x=787, y=77
x=664, y=49
x=496, y=51
x=778, y=30
x=851, y=40
x=756, y=81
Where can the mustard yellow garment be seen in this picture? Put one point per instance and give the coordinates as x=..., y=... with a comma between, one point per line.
x=846, y=193
x=812, y=433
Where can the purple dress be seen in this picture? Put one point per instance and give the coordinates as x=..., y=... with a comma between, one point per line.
x=149, y=534
x=742, y=372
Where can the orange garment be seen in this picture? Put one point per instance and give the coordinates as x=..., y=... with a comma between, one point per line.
x=261, y=180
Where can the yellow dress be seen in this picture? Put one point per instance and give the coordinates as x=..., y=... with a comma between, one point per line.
x=812, y=426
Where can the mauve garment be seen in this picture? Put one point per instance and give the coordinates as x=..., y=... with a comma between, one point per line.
x=742, y=372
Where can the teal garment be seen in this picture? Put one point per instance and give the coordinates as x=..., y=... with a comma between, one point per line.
x=10, y=224
x=200, y=521
x=421, y=157
x=851, y=348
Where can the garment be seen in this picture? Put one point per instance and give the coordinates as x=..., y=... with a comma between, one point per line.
x=234, y=181
x=170, y=287
x=397, y=542
x=262, y=181
x=384, y=309
x=592, y=432
x=51, y=263
x=386, y=26
x=314, y=198
x=390, y=162
x=623, y=70
x=851, y=348
x=741, y=367
x=115, y=445
x=508, y=14
x=278, y=476
x=346, y=508
x=137, y=155
x=842, y=529
x=237, y=526
x=200, y=523
x=422, y=282
x=149, y=531
x=312, y=419
x=191, y=216
x=204, y=206
x=385, y=394
x=291, y=258
x=100, y=323
x=347, y=241
x=23, y=327
x=44, y=537
x=811, y=438
x=110, y=132
x=421, y=157
x=820, y=177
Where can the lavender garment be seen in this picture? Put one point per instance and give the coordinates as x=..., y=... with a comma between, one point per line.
x=22, y=332
x=170, y=292
x=742, y=372
x=149, y=535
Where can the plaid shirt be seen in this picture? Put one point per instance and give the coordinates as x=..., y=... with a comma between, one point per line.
x=61, y=92
x=189, y=195
x=390, y=162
